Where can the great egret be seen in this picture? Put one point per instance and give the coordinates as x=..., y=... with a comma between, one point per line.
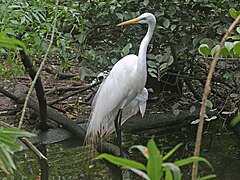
x=121, y=87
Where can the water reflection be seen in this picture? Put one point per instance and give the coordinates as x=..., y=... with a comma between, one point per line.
x=219, y=146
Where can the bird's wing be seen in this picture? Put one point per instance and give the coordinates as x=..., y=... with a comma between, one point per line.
x=142, y=99
x=111, y=96
x=137, y=104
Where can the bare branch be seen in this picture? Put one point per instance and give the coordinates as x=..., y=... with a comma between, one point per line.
x=39, y=70
x=205, y=95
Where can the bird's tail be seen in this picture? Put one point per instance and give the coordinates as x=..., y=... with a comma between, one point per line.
x=99, y=128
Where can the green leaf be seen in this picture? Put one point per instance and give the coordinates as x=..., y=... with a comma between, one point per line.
x=176, y=112
x=11, y=143
x=192, y=159
x=160, y=58
x=172, y=151
x=14, y=22
x=166, y=23
x=119, y=15
x=163, y=66
x=175, y=169
x=153, y=75
x=209, y=104
x=151, y=56
x=154, y=164
x=151, y=64
x=173, y=27
x=224, y=52
x=214, y=50
x=83, y=72
x=126, y=49
x=142, y=149
x=207, y=41
x=44, y=46
x=15, y=132
x=235, y=120
x=237, y=37
x=211, y=118
x=36, y=17
x=37, y=40
x=233, y=13
x=114, y=60
x=145, y=2
x=139, y=172
x=121, y=161
x=29, y=16
x=23, y=19
x=204, y=50
x=192, y=109
x=229, y=46
x=6, y=160
x=238, y=30
x=1, y=68
x=152, y=70
x=8, y=145
x=211, y=176
x=7, y=42
x=236, y=49
x=168, y=175
x=168, y=59
x=175, y=106
x=81, y=38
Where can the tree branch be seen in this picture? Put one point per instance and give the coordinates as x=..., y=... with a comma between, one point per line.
x=71, y=94
x=204, y=98
x=39, y=90
x=8, y=94
x=38, y=72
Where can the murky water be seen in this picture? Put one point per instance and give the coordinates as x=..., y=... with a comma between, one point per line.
x=220, y=147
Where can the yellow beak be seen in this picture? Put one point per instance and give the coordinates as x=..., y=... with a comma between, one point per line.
x=132, y=21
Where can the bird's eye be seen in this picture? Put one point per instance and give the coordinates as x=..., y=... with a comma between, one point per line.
x=144, y=18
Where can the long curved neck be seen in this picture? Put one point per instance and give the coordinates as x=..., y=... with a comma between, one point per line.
x=142, y=66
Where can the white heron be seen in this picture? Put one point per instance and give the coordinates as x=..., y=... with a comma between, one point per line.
x=122, y=92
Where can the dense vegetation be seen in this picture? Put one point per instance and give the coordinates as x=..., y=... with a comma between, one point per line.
x=186, y=38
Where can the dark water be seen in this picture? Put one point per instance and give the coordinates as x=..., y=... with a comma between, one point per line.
x=219, y=146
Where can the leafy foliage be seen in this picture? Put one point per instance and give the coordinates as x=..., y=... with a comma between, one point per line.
x=11, y=65
x=91, y=41
x=156, y=167
x=231, y=50
x=235, y=120
x=9, y=145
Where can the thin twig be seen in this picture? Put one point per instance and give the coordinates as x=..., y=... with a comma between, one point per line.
x=39, y=70
x=33, y=148
x=72, y=94
x=68, y=88
x=204, y=98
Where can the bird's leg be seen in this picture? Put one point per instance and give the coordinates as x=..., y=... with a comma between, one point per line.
x=117, y=124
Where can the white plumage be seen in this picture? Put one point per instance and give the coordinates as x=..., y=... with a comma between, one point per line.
x=122, y=89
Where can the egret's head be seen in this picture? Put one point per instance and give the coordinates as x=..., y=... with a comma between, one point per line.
x=146, y=18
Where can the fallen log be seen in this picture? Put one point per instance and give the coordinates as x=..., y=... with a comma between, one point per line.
x=52, y=114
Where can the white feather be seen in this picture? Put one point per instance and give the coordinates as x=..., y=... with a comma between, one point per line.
x=113, y=94
x=122, y=89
